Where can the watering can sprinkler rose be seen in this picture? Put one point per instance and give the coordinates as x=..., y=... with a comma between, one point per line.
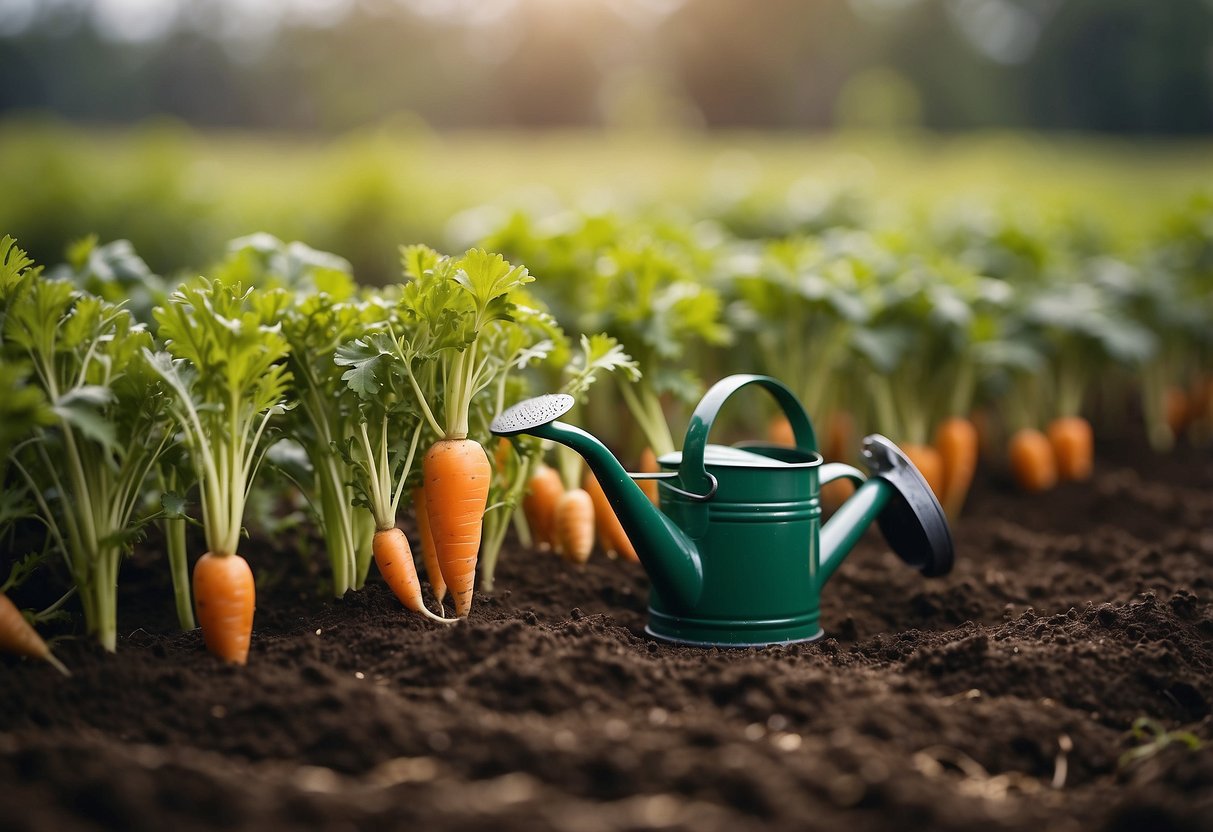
x=737, y=555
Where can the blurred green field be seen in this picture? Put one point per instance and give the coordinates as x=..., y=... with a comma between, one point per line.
x=178, y=194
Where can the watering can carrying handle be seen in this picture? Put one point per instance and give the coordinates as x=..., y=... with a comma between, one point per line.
x=692, y=473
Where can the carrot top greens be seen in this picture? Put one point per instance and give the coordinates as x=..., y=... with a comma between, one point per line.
x=224, y=364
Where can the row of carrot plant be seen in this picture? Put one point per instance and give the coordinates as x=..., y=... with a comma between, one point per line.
x=134, y=400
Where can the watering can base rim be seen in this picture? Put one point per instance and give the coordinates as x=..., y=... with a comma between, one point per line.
x=713, y=631
x=687, y=642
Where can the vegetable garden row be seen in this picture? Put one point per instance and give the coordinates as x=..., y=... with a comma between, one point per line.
x=134, y=400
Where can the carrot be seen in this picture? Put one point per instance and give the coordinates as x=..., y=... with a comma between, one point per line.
x=394, y=558
x=18, y=638
x=457, y=475
x=648, y=465
x=1178, y=408
x=840, y=428
x=610, y=531
x=957, y=443
x=929, y=463
x=429, y=554
x=575, y=525
x=1073, y=447
x=539, y=505
x=1032, y=462
x=779, y=431
x=225, y=598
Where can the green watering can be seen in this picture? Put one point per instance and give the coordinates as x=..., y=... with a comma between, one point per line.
x=737, y=555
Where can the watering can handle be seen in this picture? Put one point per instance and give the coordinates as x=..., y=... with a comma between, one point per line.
x=692, y=473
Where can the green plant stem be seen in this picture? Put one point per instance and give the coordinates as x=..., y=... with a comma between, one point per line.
x=886, y=410
x=334, y=525
x=497, y=523
x=645, y=408
x=174, y=540
x=1153, y=405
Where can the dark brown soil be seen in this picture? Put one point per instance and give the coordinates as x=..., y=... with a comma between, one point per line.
x=999, y=697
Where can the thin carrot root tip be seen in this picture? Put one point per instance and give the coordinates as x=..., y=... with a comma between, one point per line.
x=226, y=598
x=18, y=638
x=457, y=474
x=394, y=557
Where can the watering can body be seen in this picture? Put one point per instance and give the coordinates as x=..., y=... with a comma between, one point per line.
x=759, y=540
x=736, y=551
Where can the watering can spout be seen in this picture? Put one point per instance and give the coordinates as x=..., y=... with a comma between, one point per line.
x=899, y=500
x=668, y=555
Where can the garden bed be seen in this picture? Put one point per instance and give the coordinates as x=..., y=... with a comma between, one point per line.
x=998, y=697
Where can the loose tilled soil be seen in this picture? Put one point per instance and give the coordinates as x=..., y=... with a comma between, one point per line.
x=999, y=697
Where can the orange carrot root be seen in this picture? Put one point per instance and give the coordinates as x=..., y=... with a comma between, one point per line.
x=929, y=463
x=225, y=599
x=429, y=555
x=1033, y=464
x=457, y=475
x=957, y=442
x=539, y=505
x=18, y=638
x=610, y=531
x=575, y=525
x=394, y=557
x=1073, y=447
x=779, y=432
x=648, y=465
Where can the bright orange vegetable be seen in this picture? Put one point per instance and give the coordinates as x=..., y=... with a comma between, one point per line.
x=929, y=463
x=1073, y=447
x=575, y=525
x=610, y=531
x=394, y=558
x=648, y=465
x=225, y=598
x=457, y=475
x=779, y=432
x=1033, y=464
x=18, y=638
x=429, y=554
x=539, y=505
x=957, y=442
